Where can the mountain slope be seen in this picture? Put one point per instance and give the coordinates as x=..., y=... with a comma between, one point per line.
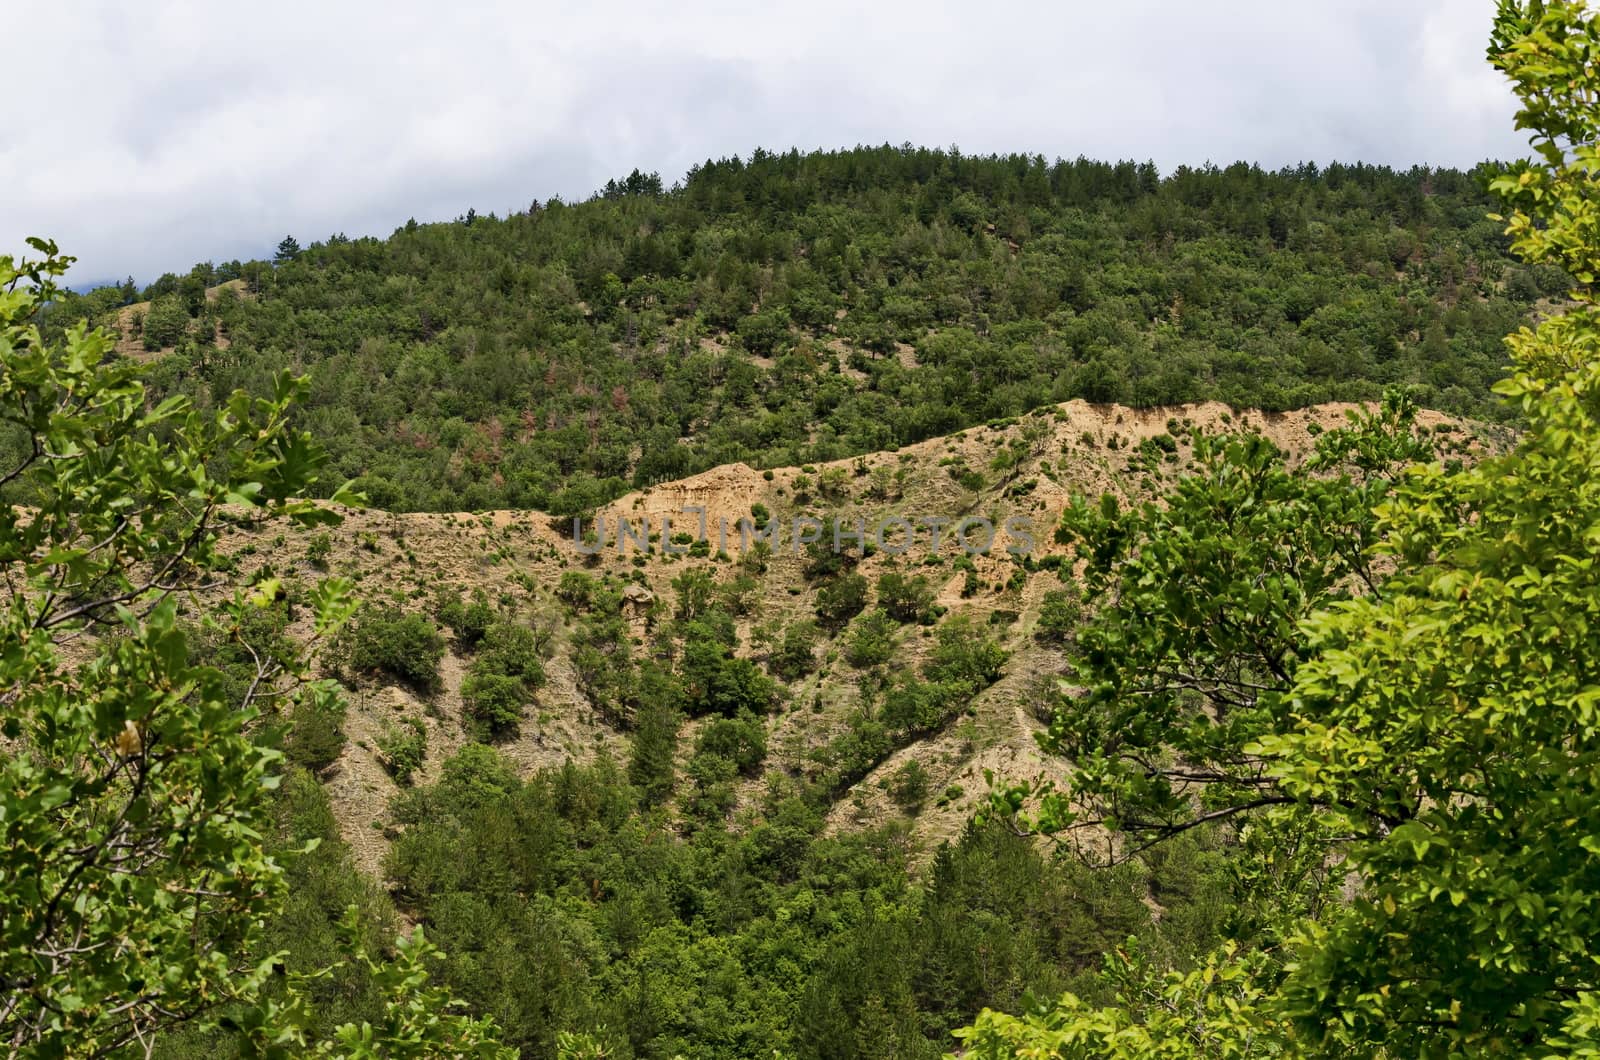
x=517, y=560
x=800, y=308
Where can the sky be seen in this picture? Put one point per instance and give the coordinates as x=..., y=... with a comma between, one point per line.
x=147, y=137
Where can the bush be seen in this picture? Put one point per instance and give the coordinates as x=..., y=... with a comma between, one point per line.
x=842, y=599
x=1059, y=615
x=405, y=646
x=741, y=740
x=403, y=749
x=513, y=650
x=501, y=680
x=576, y=589
x=165, y=323
x=906, y=599
x=834, y=483
x=965, y=657
x=918, y=706
x=469, y=622
x=318, y=551
x=655, y=745
x=316, y=734
x=872, y=640
x=739, y=687
x=793, y=657
x=909, y=786
x=494, y=702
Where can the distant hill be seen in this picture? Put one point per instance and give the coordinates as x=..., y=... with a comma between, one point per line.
x=793, y=308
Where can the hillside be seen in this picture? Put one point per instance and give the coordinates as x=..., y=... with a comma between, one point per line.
x=799, y=308
x=517, y=559
x=720, y=803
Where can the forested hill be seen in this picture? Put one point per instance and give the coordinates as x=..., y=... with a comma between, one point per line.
x=803, y=307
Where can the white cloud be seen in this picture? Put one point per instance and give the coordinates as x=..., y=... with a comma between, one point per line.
x=176, y=132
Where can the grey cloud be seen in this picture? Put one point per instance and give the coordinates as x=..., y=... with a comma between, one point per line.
x=177, y=132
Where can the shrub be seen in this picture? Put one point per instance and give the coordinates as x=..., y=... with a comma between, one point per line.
x=494, y=702
x=741, y=740
x=655, y=744
x=165, y=323
x=872, y=639
x=918, y=706
x=469, y=622
x=909, y=786
x=318, y=550
x=512, y=649
x=965, y=657
x=1059, y=615
x=316, y=735
x=793, y=657
x=842, y=599
x=834, y=483
x=405, y=646
x=402, y=749
x=575, y=589
x=738, y=686
x=906, y=599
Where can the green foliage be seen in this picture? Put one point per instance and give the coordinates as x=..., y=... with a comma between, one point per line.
x=469, y=621
x=1434, y=735
x=965, y=657
x=1101, y=281
x=165, y=323
x=576, y=589
x=1060, y=614
x=694, y=588
x=134, y=795
x=404, y=645
x=318, y=550
x=316, y=730
x=651, y=768
x=793, y=658
x=920, y=707
x=582, y=922
x=494, y=701
x=403, y=748
x=909, y=785
x=872, y=639
x=514, y=649
x=1194, y=654
x=741, y=740
x=501, y=681
x=841, y=599
x=906, y=599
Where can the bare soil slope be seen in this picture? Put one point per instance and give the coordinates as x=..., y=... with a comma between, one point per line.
x=519, y=556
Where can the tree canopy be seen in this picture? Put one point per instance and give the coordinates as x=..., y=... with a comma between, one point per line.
x=1435, y=740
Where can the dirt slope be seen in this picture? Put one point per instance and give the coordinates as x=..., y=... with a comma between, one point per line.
x=518, y=557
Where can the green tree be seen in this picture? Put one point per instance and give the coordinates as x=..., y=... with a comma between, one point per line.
x=871, y=640
x=404, y=645
x=907, y=599
x=1199, y=645
x=165, y=323
x=134, y=794
x=841, y=599
x=1440, y=731
x=651, y=766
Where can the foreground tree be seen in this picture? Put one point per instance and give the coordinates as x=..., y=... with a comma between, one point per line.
x=1440, y=733
x=135, y=787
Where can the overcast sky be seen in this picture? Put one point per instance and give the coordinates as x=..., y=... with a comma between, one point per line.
x=147, y=137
